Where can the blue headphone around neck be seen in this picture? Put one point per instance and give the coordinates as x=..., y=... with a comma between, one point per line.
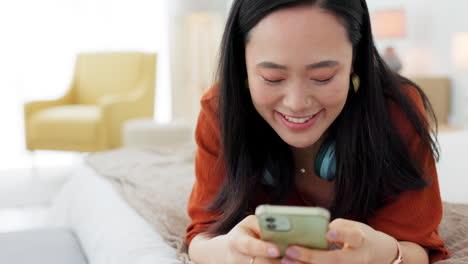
x=325, y=161
x=324, y=164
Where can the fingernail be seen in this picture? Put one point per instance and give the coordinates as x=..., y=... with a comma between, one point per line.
x=287, y=261
x=273, y=252
x=332, y=235
x=292, y=252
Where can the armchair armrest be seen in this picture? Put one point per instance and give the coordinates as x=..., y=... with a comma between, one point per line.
x=112, y=105
x=109, y=100
x=34, y=106
x=116, y=109
x=131, y=97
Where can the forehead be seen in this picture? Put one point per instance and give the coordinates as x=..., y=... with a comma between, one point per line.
x=299, y=29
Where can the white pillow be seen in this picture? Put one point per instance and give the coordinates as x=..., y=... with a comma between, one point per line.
x=108, y=229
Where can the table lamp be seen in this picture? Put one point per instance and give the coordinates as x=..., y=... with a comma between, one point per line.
x=389, y=24
x=460, y=77
x=460, y=51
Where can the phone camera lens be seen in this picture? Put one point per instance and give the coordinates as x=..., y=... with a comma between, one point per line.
x=270, y=219
x=271, y=226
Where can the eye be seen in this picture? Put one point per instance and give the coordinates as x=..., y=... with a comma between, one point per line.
x=272, y=81
x=323, y=81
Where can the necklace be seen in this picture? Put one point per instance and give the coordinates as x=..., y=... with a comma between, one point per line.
x=302, y=170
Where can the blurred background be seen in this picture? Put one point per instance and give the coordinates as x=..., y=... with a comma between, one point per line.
x=425, y=40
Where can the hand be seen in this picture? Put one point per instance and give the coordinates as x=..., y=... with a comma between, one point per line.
x=361, y=244
x=243, y=243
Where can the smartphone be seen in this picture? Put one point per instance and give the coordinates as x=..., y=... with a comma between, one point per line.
x=293, y=225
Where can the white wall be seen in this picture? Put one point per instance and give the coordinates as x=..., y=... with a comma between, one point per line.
x=41, y=38
x=426, y=50
x=39, y=41
x=185, y=97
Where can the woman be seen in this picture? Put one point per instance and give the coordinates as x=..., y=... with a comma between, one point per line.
x=297, y=77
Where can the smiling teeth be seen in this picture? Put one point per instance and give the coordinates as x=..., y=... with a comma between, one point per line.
x=298, y=120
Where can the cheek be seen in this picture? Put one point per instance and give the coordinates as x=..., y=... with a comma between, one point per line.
x=335, y=96
x=262, y=96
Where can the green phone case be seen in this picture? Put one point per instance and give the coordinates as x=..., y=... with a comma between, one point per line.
x=293, y=225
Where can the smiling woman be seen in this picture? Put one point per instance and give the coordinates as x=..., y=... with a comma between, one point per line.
x=297, y=79
x=311, y=76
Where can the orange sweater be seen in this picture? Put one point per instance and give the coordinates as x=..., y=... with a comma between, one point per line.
x=414, y=216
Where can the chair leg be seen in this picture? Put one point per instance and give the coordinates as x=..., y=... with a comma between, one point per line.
x=83, y=155
x=34, y=168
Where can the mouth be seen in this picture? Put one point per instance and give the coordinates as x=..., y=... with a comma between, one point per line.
x=299, y=120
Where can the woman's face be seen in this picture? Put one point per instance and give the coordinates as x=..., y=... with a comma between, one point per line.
x=299, y=66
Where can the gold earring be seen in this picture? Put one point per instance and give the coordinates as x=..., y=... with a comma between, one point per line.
x=356, y=82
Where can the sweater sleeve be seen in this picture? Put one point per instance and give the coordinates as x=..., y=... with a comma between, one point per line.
x=209, y=170
x=415, y=215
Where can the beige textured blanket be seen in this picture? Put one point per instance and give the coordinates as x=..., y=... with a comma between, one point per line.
x=157, y=184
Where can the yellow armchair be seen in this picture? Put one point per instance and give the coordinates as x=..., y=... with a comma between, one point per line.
x=107, y=89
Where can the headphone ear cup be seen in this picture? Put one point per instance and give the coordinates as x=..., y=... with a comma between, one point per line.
x=325, y=161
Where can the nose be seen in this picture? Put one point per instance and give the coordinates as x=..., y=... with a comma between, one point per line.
x=298, y=100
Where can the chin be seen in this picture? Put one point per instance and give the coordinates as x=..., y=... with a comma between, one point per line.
x=301, y=145
x=298, y=143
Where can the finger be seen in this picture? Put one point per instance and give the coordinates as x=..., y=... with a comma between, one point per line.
x=248, y=244
x=346, y=232
x=347, y=237
x=251, y=224
x=251, y=246
x=297, y=254
x=342, y=223
x=260, y=260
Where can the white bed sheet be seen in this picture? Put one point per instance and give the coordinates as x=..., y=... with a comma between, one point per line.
x=453, y=166
x=108, y=229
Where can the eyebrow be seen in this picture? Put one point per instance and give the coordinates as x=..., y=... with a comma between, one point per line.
x=322, y=64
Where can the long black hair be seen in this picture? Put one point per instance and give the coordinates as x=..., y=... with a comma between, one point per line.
x=373, y=163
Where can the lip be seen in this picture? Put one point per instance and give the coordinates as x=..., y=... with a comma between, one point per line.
x=297, y=116
x=300, y=127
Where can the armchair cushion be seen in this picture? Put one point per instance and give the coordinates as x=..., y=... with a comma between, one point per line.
x=69, y=123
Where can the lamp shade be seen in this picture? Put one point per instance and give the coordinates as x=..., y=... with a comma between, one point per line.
x=460, y=50
x=389, y=23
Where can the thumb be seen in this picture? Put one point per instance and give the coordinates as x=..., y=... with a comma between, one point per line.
x=346, y=232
